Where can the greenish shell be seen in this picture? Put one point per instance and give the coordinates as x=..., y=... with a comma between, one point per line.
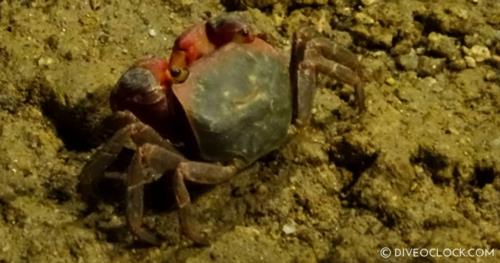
x=238, y=102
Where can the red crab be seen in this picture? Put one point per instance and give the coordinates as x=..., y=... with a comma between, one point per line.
x=224, y=99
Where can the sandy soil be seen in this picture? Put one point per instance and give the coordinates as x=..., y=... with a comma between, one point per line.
x=420, y=169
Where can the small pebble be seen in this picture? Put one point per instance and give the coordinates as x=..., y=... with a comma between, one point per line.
x=289, y=229
x=363, y=18
x=480, y=53
x=491, y=75
x=453, y=131
x=152, y=32
x=408, y=61
x=429, y=66
x=471, y=63
x=45, y=61
x=459, y=12
x=458, y=64
x=390, y=81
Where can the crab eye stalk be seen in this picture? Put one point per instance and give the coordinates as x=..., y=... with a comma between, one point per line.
x=179, y=75
x=178, y=66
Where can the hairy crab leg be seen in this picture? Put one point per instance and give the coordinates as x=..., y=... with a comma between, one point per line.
x=311, y=55
x=157, y=161
x=132, y=135
x=150, y=162
x=201, y=173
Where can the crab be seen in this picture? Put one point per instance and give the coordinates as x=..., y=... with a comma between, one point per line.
x=222, y=100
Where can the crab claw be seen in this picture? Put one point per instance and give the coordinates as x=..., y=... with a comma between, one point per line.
x=142, y=84
x=229, y=28
x=204, y=38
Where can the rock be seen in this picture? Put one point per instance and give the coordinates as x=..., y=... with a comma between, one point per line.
x=363, y=18
x=408, y=61
x=471, y=63
x=152, y=32
x=443, y=45
x=45, y=61
x=479, y=53
x=289, y=229
x=429, y=66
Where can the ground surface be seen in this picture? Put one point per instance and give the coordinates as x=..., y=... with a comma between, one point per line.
x=421, y=168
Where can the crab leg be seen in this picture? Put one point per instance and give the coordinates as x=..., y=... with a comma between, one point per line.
x=311, y=55
x=139, y=136
x=337, y=62
x=201, y=173
x=157, y=161
x=332, y=60
x=133, y=134
x=149, y=163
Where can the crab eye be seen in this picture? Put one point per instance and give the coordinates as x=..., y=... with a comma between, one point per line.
x=179, y=75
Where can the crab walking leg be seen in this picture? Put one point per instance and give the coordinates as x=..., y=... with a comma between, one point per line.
x=311, y=55
x=337, y=62
x=130, y=136
x=305, y=89
x=149, y=163
x=336, y=52
x=94, y=170
x=201, y=173
x=337, y=71
x=156, y=161
x=302, y=79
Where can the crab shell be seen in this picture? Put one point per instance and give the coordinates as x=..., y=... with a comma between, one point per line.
x=237, y=101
